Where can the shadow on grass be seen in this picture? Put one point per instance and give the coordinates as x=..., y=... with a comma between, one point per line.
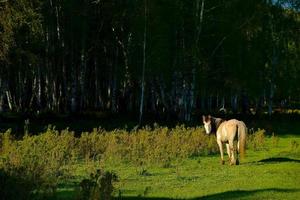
x=278, y=159
x=235, y=194
x=272, y=160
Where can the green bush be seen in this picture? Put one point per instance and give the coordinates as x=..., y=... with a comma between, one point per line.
x=14, y=188
x=38, y=158
x=51, y=150
x=294, y=146
x=256, y=141
x=145, y=146
x=98, y=187
x=46, y=159
x=275, y=140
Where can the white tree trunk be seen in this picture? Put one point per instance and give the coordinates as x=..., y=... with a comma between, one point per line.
x=9, y=100
x=144, y=64
x=200, y=15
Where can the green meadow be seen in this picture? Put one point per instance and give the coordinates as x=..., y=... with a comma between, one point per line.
x=148, y=163
x=272, y=172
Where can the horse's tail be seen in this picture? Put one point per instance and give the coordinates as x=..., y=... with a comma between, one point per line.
x=242, y=135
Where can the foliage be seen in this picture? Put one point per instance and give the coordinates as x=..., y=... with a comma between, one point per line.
x=146, y=146
x=75, y=55
x=99, y=186
x=14, y=187
x=256, y=141
x=294, y=146
x=275, y=140
x=43, y=158
x=39, y=159
x=37, y=164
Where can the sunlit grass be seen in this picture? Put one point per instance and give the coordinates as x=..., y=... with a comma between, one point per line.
x=178, y=163
x=270, y=173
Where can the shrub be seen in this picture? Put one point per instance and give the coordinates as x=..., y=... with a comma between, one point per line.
x=275, y=140
x=14, y=188
x=40, y=158
x=294, y=146
x=256, y=141
x=99, y=186
x=46, y=158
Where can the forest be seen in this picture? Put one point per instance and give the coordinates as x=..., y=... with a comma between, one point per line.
x=166, y=58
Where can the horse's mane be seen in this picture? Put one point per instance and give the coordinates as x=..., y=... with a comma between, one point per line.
x=216, y=122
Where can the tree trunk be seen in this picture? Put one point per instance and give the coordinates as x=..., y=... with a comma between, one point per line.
x=97, y=84
x=273, y=65
x=200, y=16
x=114, y=83
x=144, y=64
x=1, y=103
x=9, y=100
x=82, y=76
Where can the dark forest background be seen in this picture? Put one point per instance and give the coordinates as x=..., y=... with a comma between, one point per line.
x=169, y=59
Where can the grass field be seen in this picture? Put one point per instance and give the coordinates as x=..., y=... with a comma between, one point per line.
x=272, y=172
x=151, y=163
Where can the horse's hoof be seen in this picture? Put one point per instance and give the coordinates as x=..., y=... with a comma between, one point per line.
x=233, y=162
x=222, y=162
x=237, y=162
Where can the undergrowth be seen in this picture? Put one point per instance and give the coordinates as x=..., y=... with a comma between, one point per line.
x=45, y=159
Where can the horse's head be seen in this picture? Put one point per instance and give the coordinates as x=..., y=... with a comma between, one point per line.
x=207, y=123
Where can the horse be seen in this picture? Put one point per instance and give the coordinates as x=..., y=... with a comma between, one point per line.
x=227, y=132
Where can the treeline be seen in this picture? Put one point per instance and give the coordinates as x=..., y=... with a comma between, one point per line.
x=166, y=57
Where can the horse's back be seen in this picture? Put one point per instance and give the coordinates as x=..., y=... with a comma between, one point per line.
x=230, y=125
x=235, y=122
x=228, y=129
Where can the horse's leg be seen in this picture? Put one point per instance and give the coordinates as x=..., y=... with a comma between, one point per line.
x=231, y=148
x=221, y=151
x=228, y=151
x=237, y=153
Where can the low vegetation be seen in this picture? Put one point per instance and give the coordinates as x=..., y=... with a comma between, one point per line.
x=53, y=158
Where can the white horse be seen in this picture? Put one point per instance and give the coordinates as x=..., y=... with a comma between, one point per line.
x=226, y=132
